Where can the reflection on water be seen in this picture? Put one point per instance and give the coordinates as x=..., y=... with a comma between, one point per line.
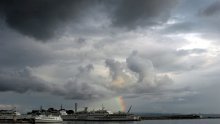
x=103, y=122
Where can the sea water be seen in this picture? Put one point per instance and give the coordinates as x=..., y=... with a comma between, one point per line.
x=192, y=121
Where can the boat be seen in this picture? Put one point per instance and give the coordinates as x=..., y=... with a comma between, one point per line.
x=97, y=116
x=100, y=115
x=47, y=119
x=7, y=115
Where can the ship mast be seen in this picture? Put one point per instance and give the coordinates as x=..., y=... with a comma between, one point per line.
x=103, y=107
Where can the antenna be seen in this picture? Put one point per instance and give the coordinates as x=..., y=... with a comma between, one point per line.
x=76, y=105
x=103, y=107
x=129, y=109
x=41, y=108
x=61, y=107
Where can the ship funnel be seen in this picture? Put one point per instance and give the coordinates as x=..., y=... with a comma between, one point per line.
x=86, y=108
x=76, y=107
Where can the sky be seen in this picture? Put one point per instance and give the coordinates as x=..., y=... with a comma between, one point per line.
x=159, y=56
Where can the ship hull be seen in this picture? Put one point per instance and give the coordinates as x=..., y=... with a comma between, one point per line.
x=100, y=118
x=47, y=121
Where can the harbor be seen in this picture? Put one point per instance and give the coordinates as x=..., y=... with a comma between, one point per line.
x=61, y=115
x=52, y=115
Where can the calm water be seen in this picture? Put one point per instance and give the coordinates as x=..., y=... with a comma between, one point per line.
x=198, y=121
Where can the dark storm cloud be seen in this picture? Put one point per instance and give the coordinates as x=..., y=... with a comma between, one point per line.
x=131, y=13
x=40, y=18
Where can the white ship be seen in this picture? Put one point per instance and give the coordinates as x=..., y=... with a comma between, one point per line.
x=48, y=119
x=9, y=115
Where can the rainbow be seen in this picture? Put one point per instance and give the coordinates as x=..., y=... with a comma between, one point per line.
x=121, y=103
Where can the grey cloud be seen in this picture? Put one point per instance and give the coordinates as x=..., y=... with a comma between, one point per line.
x=170, y=60
x=212, y=9
x=115, y=68
x=81, y=86
x=180, y=27
x=81, y=40
x=130, y=13
x=143, y=68
x=40, y=18
x=205, y=83
x=18, y=52
x=21, y=82
x=143, y=79
x=192, y=51
x=163, y=80
x=148, y=80
x=84, y=85
x=203, y=19
x=85, y=90
x=206, y=26
x=121, y=81
x=88, y=68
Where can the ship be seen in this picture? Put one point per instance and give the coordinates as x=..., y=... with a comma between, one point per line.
x=100, y=115
x=9, y=116
x=47, y=119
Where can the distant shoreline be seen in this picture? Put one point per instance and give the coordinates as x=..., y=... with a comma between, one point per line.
x=176, y=117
